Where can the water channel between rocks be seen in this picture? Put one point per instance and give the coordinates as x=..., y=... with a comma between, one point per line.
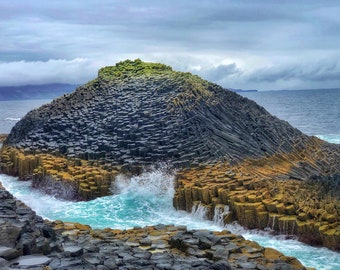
x=147, y=200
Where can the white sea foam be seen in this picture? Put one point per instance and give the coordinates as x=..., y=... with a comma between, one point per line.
x=155, y=182
x=332, y=138
x=147, y=200
x=199, y=211
x=12, y=119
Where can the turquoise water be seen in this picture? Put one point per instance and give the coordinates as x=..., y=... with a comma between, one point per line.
x=319, y=258
x=147, y=200
x=139, y=201
x=332, y=138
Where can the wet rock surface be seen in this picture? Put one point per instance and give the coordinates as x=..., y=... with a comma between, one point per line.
x=40, y=244
x=258, y=198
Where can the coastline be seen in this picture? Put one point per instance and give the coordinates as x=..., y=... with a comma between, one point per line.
x=258, y=195
x=3, y=137
x=60, y=245
x=226, y=150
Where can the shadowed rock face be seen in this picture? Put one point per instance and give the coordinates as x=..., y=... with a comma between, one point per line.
x=142, y=113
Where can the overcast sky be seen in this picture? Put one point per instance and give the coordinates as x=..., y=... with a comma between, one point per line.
x=248, y=44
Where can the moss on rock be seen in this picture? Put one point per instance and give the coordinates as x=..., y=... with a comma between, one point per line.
x=128, y=68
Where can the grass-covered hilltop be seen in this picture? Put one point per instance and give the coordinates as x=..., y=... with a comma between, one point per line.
x=141, y=113
x=228, y=151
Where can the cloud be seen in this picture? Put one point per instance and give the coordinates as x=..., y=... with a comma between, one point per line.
x=326, y=70
x=53, y=71
x=218, y=73
x=273, y=44
x=64, y=28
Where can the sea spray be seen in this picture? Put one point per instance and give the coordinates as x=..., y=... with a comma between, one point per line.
x=199, y=211
x=136, y=201
x=155, y=182
x=141, y=202
x=220, y=213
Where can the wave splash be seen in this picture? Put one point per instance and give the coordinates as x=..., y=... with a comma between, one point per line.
x=12, y=119
x=332, y=138
x=156, y=182
x=147, y=200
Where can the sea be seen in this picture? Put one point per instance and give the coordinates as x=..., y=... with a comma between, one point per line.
x=147, y=199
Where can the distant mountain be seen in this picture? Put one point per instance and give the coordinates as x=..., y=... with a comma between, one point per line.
x=45, y=91
x=241, y=90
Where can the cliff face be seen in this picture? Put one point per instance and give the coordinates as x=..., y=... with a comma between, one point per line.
x=142, y=113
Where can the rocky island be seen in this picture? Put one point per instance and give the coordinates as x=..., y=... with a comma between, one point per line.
x=228, y=152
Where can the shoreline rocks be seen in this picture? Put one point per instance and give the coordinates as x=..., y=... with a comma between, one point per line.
x=256, y=196
x=29, y=242
x=262, y=204
x=228, y=152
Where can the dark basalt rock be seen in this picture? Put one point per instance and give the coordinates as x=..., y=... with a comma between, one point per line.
x=142, y=113
x=42, y=244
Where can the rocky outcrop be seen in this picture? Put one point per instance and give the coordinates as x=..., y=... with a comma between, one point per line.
x=22, y=232
x=263, y=194
x=29, y=242
x=70, y=179
x=143, y=113
x=2, y=139
x=227, y=150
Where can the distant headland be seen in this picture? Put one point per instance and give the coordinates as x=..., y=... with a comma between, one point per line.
x=43, y=91
x=241, y=90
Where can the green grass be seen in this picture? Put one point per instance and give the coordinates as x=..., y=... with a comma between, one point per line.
x=129, y=68
x=194, y=88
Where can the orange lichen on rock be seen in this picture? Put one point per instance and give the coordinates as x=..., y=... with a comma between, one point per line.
x=264, y=193
x=3, y=137
x=83, y=179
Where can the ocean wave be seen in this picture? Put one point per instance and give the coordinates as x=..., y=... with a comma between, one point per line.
x=133, y=206
x=12, y=119
x=332, y=138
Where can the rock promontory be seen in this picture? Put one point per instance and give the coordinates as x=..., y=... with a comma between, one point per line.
x=142, y=113
x=227, y=150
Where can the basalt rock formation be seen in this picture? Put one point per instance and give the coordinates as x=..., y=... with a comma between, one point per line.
x=142, y=113
x=29, y=242
x=2, y=137
x=228, y=151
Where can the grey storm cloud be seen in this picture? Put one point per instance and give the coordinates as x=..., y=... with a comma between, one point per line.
x=262, y=42
x=320, y=71
x=220, y=72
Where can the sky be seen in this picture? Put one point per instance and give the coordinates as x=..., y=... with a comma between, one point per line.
x=240, y=44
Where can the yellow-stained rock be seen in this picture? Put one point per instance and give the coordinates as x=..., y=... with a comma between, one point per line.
x=253, y=190
x=89, y=181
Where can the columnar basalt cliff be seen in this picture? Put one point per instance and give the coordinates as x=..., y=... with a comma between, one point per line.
x=142, y=113
x=228, y=151
x=262, y=194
